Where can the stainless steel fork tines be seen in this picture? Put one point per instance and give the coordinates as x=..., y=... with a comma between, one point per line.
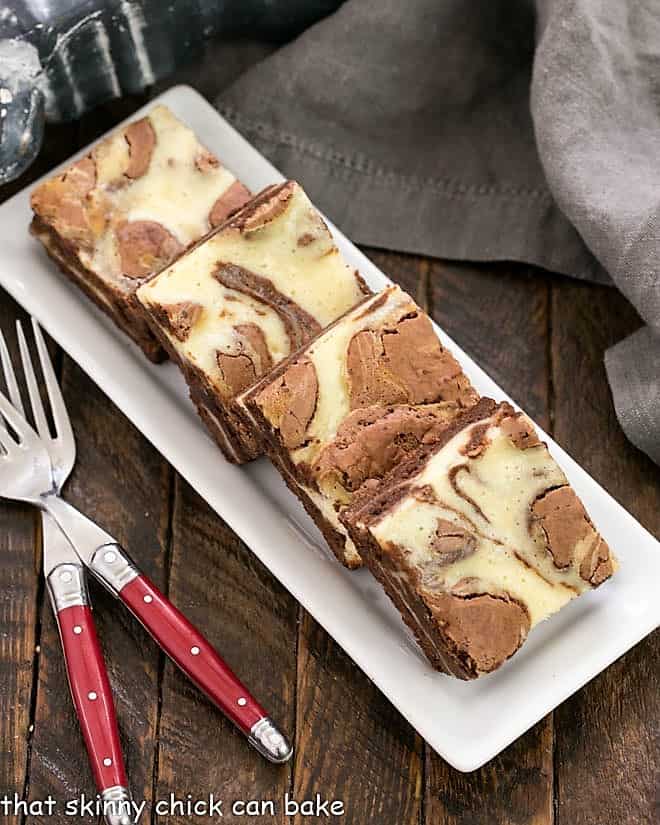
x=33, y=468
x=62, y=445
x=53, y=457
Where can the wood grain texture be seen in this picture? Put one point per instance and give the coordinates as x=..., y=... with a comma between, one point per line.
x=19, y=618
x=20, y=607
x=223, y=589
x=586, y=321
x=607, y=735
x=344, y=720
x=499, y=315
x=351, y=743
x=123, y=484
x=410, y=272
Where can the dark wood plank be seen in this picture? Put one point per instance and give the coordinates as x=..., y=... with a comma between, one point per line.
x=499, y=315
x=58, y=764
x=19, y=618
x=223, y=589
x=515, y=788
x=586, y=321
x=122, y=483
x=409, y=271
x=367, y=756
x=352, y=745
x=608, y=759
x=20, y=608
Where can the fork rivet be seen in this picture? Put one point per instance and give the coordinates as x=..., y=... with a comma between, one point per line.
x=148, y=599
x=242, y=701
x=77, y=630
x=107, y=762
x=110, y=556
x=65, y=576
x=91, y=696
x=194, y=650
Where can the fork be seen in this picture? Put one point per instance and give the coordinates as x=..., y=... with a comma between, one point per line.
x=33, y=469
x=71, y=603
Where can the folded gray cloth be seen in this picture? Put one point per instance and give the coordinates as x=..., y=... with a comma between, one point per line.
x=489, y=130
x=634, y=375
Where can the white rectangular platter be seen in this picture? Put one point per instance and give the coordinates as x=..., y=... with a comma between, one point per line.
x=466, y=723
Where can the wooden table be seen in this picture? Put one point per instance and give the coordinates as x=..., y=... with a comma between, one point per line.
x=594, y=761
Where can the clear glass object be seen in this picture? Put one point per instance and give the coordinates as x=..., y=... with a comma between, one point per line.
x=60, y=58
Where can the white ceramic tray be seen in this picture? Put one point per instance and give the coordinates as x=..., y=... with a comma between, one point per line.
x=466, y=723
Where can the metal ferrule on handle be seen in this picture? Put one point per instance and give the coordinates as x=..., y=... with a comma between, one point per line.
x=117, y=806
x=270, y=742
x=190, y=650
x=178, y=638
x=67, y=586
x=112, y=566
x=66, y=583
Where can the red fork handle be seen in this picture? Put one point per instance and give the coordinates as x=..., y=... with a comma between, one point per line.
x=188, y=649
x=92, y=697
x=88, y=681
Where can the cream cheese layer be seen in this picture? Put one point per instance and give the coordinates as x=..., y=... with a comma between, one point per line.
x=329, y=513
x=289, y=260
x=491, y=497
x=173, y=192
x=328, y=355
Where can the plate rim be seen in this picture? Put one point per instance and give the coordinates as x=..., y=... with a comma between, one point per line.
x=471, y=755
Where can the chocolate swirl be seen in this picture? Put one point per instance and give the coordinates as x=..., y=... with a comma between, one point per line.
x=300, y=326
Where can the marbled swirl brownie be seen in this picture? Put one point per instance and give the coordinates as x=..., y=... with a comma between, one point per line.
x=244, y=298
x=478, y=539
x=128, y=208
x=352, y=404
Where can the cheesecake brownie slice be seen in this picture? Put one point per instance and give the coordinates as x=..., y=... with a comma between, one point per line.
x=128, y=208
x=244, y=298
x=477, y=539
x=354, y=402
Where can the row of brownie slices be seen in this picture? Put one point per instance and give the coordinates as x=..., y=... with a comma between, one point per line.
x=452, y=501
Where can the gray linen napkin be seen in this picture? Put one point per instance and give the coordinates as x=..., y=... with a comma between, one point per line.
x=488, y=130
